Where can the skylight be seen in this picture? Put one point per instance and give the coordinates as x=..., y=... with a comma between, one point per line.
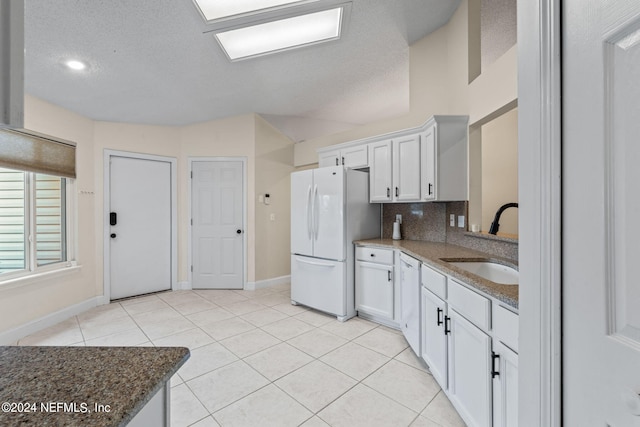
x=282, y=34
x=218, y=9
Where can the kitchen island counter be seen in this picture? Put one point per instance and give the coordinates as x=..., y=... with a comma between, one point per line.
x=82, y=386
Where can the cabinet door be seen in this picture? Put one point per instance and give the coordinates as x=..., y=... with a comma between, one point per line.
x=329, y=158
x=380, y=171
x=410, y=296
x=428, y=164
x=434, y=340
x=406, y=168
x=355, y=157
x=469, y=370
x=505, y=386
x=374, y=289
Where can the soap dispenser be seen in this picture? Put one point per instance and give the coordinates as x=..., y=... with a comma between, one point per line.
x=396, y=231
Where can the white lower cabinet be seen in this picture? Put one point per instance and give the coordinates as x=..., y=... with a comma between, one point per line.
x=505, y=367
x=468, y=342
x=434, y=340
x=374, y=289
x=469, y=370
x=375, y=285
x=410, y=294
x=505, y=385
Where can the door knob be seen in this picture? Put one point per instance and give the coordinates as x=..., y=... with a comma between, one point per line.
x=239, y=231
x=113, y=235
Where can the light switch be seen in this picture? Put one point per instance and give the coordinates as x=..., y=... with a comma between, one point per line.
x=272, y=217
x=452, y=220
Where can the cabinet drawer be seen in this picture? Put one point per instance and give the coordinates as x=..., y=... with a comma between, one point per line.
x=377, y=255
x=434, y=281
x=473, y=306
x=505, y=326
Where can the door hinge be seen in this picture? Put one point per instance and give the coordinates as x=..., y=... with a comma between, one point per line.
x=191, y=174
x=191, y=221
x=192, y=268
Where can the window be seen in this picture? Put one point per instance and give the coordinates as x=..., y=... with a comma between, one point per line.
x=33, y=222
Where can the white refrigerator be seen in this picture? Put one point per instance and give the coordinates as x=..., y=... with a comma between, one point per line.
x=329, y=210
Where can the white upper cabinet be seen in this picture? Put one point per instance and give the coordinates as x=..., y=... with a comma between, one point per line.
x=394, y=170
x=380, y=172
x=427, y=163
x=444, y=159
x=355, y=157
x=406, y=169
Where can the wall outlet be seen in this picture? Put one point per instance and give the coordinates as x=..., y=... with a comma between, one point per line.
x=452, y=220
x=399, y=218
x=461, y=221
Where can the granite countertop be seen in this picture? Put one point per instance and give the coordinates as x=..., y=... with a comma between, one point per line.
x=431, y=253
x=38, y=382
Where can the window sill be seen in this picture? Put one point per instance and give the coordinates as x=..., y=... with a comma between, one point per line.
x=29, y=279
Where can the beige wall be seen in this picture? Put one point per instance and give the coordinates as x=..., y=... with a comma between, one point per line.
x=269, y=158
x=274, y=164
x=494, y=89
x=500, y=171
x=156, y=140
x=230, y=137
x=438, y=84
x=40, y=298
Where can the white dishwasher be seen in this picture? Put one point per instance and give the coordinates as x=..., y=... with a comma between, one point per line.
x=410, y=297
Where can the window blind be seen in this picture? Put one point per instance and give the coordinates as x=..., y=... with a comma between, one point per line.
x=35, y=153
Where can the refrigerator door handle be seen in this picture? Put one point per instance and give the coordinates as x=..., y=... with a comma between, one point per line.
x=316, y=212
x=319, y=264
x=309, y=213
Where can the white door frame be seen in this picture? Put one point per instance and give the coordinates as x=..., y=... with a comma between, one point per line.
x=190, y=161
x=539, y=176
x=105, y=218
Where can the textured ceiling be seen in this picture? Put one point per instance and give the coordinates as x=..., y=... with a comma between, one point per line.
x=151, y=62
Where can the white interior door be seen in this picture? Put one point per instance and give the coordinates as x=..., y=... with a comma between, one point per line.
x=601, y=205
x=140, y=226
x=218, y=224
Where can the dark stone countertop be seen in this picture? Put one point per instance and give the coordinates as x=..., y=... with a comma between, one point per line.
x=432, y=253
x=125, y=378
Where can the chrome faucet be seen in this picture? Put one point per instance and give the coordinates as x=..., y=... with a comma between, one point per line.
x=495, y=224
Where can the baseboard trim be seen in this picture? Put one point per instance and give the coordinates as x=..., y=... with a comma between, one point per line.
x=13, y=335
x=267, y=283
x=183, y=286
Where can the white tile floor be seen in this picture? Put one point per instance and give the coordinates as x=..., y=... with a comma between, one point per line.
x=257, y=360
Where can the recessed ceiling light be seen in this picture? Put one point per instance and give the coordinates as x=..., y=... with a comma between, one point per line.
x=283, y=34
x=217, y=9
x=76, y=65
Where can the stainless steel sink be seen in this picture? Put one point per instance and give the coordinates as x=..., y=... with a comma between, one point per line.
x=497, y=273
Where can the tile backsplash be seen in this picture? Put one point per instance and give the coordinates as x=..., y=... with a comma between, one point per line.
x=430, y=222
